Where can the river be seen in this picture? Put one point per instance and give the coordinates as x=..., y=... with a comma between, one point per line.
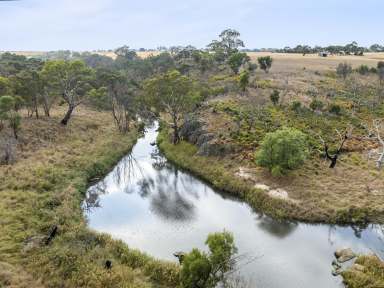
x=155, y=207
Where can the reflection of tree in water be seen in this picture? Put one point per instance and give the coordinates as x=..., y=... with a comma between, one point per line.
x=92, y=199
x=276, y=228
x=159, y=162
x=168, y=202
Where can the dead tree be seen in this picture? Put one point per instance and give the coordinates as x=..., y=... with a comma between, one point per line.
x=333, y=158
x=375, y=132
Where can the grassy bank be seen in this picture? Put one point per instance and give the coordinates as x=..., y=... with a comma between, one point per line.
x=221, y=173
x=45, y=187
x=368, y=272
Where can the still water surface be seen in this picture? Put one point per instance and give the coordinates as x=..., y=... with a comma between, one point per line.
x=155, y=207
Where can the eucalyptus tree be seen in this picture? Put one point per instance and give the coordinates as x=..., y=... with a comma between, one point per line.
x=173, y=94
x=72, y=81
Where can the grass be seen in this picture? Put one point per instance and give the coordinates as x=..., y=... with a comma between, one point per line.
x=46, y=187
x=370, y=274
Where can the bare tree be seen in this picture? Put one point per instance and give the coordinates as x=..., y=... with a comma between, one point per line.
x=343, y=137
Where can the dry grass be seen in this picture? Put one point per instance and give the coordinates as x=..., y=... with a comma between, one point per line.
x=45, y=187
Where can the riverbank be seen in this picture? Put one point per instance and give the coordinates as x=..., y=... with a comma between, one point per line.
x=45, y=188
x=223, y=174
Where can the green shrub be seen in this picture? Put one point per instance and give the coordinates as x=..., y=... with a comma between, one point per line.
x=363, y=69
x=282, y=150
x=207, y=270
x=275, y=96
x=296, y=106
x=316, y=105
x=334, y=109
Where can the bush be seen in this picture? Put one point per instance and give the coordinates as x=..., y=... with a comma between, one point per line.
x=334, y=109
x=296, y=106
x=316, y=105
x=265, y=63
x=343, y=70
x=282, y=150
x=363, y=70
x=207, y=270
x=275, y=96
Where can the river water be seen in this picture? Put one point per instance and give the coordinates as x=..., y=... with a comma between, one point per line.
x=157, y=208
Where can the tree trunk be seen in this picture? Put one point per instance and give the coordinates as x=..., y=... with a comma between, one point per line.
x=176, y=137
x=46, y=105
x=67, y=115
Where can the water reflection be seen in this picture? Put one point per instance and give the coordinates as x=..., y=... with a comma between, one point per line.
x=153, y=206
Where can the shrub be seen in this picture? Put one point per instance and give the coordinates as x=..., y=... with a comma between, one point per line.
x=363, y=69
x=334, y=109
x=343, y=70
x=265, y=63
x=296, y=106
x=207, y=270
x=275, y=96
x=282, y=150
x=316, y=105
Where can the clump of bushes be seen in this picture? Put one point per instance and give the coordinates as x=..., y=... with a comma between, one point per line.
x=363, y=70
x=316, y=105
x=283, y=150
x=275, y=96
x=334, y=109
x=202, y=269
x=296, y=106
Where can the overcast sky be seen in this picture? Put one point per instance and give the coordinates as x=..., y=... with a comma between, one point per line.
x=107, y=24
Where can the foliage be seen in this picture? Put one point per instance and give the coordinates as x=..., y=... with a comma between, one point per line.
x=5, y=86
x=275, y=96
x=363, y=70
x=200, y=269
x=236, y=60
x=243, y=80
x=227, y=45
x=343, y=70
x=334, y=109
x=296, y=106
x=72, y=81
x=8, y=112
x=265, y=63
x=282, y=150
x=316, y=105
x=171, y=93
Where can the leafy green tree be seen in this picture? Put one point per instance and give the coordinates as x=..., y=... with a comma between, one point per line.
x=8, y=112
x=236, y=60
x=28, y=85
x=243, y=80
x=265, y=63
x=71, y=79
x=228, y=44
x=5, y=86
x=343, y=70
x=173, y=94
x=282, y=150
x=275, y=96
x=207, y=270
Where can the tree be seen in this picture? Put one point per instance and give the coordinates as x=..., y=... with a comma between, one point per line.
x=8, y=112
x=228, y=44
x=282, y=150
x=236, y=60
x=275, y=96
x=5, y=86
x=265, y=63
x=243, y=80
x=71, y=78
x=333, y=158
x=173, y=94
x=343, y=70
x=207, y=270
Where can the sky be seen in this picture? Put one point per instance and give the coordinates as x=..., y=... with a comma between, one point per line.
x=81, y=25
